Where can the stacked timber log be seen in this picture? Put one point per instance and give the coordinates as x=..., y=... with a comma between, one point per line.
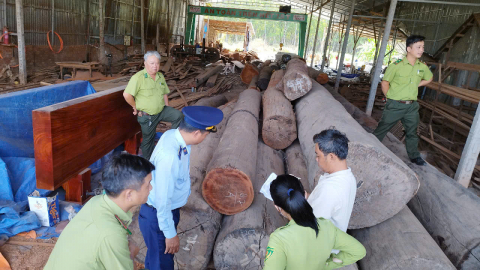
x=386, y=184
x=264, y=77
x=227, y=187
x=296, y=82
x=181, y=95
x=248, y=73
x=317, y=75
x=243, y=238
x=203, y=77
x=296, y=164
x=199, y=223
x=400, y=243
x=279, y=128
x=253, y=83
x=214, y=101
x=442, y=205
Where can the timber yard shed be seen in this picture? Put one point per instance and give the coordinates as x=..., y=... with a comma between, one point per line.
x=281, y=71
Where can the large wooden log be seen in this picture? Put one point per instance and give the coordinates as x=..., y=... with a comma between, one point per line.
x=442, y=205
x=296, y=164
x=264, y=77
x=199, y=223
x=227, y=187
x=248, y=73
x=279, y=128
x=70, y=136
x=214, y=101
x=386, y=183
x=243, y=238
x=207, y=74
x=317, y=75
x=400, y=243
x=253, y=83
x=296, y=82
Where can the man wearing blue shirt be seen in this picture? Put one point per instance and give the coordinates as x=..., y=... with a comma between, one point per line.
x=159, y=217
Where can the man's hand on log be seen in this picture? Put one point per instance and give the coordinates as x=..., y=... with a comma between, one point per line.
x=172, y=245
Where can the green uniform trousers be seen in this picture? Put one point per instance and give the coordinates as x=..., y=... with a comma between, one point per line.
x=408, y=114
x=149, y=123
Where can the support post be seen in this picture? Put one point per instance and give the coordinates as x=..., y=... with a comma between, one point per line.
x=53, y=23
x=22, y=63
x=308, y=33
x=325, y=47
x=157, y=36
x=316, y=33
x=142, y=24
x=301, y=38
x=344, y=47
x=101, y=26
x=378, y=65
x=470, y=153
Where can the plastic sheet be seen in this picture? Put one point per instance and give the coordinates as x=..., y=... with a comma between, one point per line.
x=16, y=136
x=14, y=218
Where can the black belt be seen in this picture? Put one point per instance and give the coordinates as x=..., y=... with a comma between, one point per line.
x=404, y=101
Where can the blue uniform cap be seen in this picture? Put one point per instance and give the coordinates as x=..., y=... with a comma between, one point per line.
x=203, y=117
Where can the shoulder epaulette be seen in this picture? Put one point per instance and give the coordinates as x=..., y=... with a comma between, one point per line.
x=398, y=61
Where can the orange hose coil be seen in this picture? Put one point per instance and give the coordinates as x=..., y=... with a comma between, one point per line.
x=50, y=45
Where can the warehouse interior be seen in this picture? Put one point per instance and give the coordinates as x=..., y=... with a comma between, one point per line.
x=66, y=63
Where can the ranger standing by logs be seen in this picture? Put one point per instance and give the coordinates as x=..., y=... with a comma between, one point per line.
x=159, y=217
x=400, y=86
x=147, y=93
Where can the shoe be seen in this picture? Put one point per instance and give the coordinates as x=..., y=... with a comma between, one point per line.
x=419, y=161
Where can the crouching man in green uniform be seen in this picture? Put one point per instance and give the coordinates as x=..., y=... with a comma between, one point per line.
x=400, y=86
x=147, y=93
x=97, y=237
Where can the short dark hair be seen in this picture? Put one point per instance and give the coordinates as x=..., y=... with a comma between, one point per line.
x=188, y=128
x=414, y=39
x=288, y=193
x=332, y=141
x=125, y=171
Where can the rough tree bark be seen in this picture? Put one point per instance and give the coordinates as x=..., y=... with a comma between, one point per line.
x=279, y=128
x=296, y=82
x=243, y=238
x=253, y=83
x=199, y=223
x=385, y=183
x=214, y=101
x=400, y=243
x=296, y=164
x=442, y=205
x=227, y=187
x=264, y=77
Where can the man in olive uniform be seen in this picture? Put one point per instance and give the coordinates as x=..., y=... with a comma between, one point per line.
x=400, y=86
x=147, y=93
x=97, y=237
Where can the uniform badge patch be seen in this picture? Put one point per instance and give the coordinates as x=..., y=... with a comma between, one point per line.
x=269, y=253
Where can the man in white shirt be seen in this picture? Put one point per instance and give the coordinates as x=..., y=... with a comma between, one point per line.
x=334, y=195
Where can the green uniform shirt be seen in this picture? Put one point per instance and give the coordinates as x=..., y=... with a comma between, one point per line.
x=93, y=239
x=148, y=93
x=405, y=78
x=294, y=247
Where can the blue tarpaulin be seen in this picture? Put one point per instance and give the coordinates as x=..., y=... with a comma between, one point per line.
x=17, y=163
x=16, y=136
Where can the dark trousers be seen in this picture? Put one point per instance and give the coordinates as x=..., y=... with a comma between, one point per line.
x=155, y=239
x=148, y=124
x=406, y=113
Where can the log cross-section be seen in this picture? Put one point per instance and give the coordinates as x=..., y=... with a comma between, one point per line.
x=279, y=128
